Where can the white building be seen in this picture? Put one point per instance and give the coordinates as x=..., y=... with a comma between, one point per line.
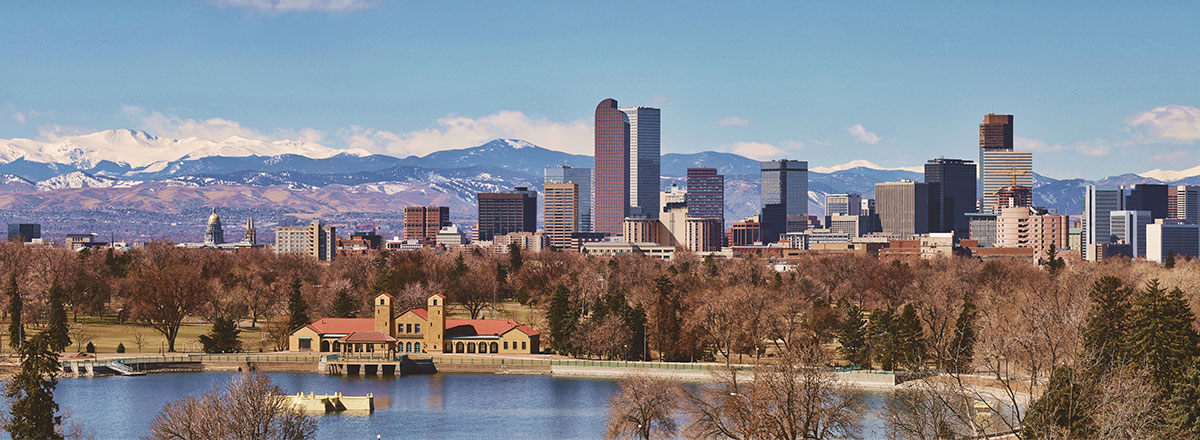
x=998, y=168
x=1129, y=227
x=1178, y=239
x=451, y=236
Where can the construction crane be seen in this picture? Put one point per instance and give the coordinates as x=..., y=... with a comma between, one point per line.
x=1014, y=173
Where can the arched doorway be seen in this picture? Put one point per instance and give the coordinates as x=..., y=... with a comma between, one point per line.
x=324, y=346
x=337, y=346
x=495, y=348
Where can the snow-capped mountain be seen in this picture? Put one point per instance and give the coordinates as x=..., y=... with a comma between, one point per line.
x=1171, y=175
x=862, y=163
x=138, y=149
x=79, y=179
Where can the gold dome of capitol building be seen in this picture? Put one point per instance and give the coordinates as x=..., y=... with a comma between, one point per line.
x=213, y=234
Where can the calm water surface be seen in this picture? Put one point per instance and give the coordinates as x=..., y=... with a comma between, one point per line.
x=441, y=406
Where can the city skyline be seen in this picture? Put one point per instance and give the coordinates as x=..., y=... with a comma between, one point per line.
x=294, y=81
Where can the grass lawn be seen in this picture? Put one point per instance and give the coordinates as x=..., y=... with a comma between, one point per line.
x=106, y=333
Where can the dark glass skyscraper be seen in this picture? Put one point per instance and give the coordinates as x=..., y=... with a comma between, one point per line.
x=1148, y=197
x=785, y=183
x=951, y=194
x=706, y=194
x=611, y=201
x=502, y=213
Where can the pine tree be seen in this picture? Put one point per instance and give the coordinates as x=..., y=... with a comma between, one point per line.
x=1063, y=407
x=881, y=340
x=1169, y=263
x=59, y=333
x=667, y=317
x=910, y=343
x=561, y=318
x=344, y=304
x=1161, y=339
x=1053, y=262
x=962, y=347
x=16, y=329
x=852, y=335
x=223, y=338
x=1183, y=404
x=31, y=392
x=514, y=257
x=297, y=308
x=1104, y=331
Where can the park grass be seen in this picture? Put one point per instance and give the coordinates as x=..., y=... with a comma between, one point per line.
x=106, y=333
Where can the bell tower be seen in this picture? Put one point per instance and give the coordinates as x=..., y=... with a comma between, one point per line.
x=434, y=336
x=383, y=314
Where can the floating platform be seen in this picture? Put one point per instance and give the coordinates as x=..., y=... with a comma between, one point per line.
x=325, y=403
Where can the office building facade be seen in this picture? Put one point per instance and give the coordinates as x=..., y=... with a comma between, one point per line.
x=702, y=234
x=1024, y=227
x=785, y=183
x=1148, y=197
x=706, y=194
x=424, y=222
x=843, y=204
x=24, y=232
x=645, y=160
x=951, y=194
x=502, y=213
x=316, y=240
x=582, y=178
x=561, y=213
x=995, y=134
x=1163, y=239
x=1129, y=227
x=903, y=207
x=611, y=183
x=1187, y=204
x=1000, y=169
x=1098, y=203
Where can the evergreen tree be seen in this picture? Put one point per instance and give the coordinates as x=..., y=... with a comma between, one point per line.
x=514, y=257
x=1063, y=407
x=852, y=334
x=881, y=340
x=1104, y=331
x=16, y=330
x=460, y=268
x=223, y=338
x=1183, y=403
x=561, y=318
x=344, y=304
x=910, y=343
x=1053, y=262
x=1169, y=263
x=710, y=266
x=297, y=308
x=635, y=319
x=1161, y=339
x=667, y=314
x=31, y=392
x=962, y=347
x=59, y=333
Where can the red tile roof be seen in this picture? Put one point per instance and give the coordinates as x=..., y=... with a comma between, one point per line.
x=342, y=325
x=481, y=327
x=424, y=314
x=367, y=336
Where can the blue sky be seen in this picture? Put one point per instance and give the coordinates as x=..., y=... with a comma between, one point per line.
x=1097, y=88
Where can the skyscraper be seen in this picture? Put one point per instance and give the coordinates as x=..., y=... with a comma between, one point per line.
x=705, y=194
x=611, y=200
x=1130, y=227
x=785, y=183
x=995, y=135
x=561, y=213
x=581, y=177
x=645, y=160
x=1000, y=169
x=424, y=222
x=1098, y=203
x=1187, y=203
x=903, y=207
x=996, y=132
x=502, y=213
x=951, y=194
x=1148, y=197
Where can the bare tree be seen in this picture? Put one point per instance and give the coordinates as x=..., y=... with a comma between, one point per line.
x=164, y=287
x=249, y=407
x=139, y=340
x=645, y=408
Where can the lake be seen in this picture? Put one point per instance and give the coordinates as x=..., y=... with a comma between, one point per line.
x=441, y=406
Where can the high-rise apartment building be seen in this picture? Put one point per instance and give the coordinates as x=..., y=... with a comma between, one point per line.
x=582, y=178
x=502, y=213
x=424, y=222
x=1024, y=227
x=951, y=194
x=706, y=194
x=1148, y=197
x=1129, y=227
x=903, y=207
x=843, y=204
x=316, y=240
x=1187, y=204
x=561, y=213
x=702, y=234
x=1000, y=169
x=785, y=183
x=645, y=230
x=611, y=184
x=645, y=160
x=1098, y=203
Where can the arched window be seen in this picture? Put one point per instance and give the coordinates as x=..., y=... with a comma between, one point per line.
x=416, y=347
x=483, y=347
x=495, y=348
x=459, y=348
x=324, y=346
x=337, y=346
x=408, y=347
x=470, y=347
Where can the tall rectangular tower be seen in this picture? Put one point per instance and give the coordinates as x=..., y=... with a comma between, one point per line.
x=785, y=183
x=705, y=194
x=611, y=193
x=843, y=204
x=561, y=213
x=502, y=213
x=1148, y=197
x=1098, y=204
x=995, y=134
x=1130, y=227
x=424, y=222
x=1187, y=203
x=903, y=207
x=645, y=160
x=951, y=194
x=582, y=178
x=998, y=170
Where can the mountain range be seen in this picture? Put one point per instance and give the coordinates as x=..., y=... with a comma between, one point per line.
x=134, y=170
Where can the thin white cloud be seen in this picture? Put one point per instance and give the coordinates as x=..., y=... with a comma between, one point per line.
x=216, y=129
x=754, y=150
x=861, y=134
x=1035, y=145
x=461, y=132
x=733, y=121
x=23, y=117
x=1170, y=122
x=659, y=100
x=1093, y=147
x=285, y=6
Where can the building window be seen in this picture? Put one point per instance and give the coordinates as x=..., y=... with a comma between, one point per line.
x=416, y=328
x=305, y=344
x=506, y=345
x=408, y=328
x=523, y=345
x=416, y=347
x=399, y=328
